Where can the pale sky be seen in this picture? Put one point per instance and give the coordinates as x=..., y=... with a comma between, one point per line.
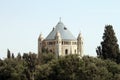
x=21, y=22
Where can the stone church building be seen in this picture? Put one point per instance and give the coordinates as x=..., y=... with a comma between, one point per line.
x=60, y=42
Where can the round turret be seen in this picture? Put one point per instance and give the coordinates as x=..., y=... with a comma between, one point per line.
x=40, y=37
x=80, y=45
x=58, y=35
x=40, y=45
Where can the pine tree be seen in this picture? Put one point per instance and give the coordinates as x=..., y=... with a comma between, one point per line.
x=109, y=48
x=8, y=54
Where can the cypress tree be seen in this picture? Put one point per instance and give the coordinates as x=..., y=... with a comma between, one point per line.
x=13, y=56
x=109, y=48
x=19, y=56
x=8, y=54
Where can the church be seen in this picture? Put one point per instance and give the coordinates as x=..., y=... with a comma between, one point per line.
x=60, y=41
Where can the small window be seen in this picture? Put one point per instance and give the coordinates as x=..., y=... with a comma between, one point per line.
x=66, y=51
x=65, y=28
x=62, y=42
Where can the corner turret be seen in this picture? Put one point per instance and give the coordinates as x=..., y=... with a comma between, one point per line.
x=80, y=45
x=58, y=44
x=40, y=41
x=40, y=37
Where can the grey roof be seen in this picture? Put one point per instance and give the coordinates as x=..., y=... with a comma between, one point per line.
x=65, y=33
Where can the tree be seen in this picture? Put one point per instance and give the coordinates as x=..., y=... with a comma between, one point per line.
x=47, y=57
x=13, y=56
x=30, y=60
x=19, y=56
x=8, y=54
x=109, y=48
x=11, y=70
x=71, y=67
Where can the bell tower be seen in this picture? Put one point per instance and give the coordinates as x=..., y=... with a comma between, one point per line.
x=80, y=45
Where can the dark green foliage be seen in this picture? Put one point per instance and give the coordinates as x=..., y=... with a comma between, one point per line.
x=19, y=56
x=64, y=68
x=70, y=67
x=8, y=54
x=46, y=57
x=31, y=61
x=109, y=48
x=44, y=50
x=99, y=52
x=13, y=56
x=11, y=69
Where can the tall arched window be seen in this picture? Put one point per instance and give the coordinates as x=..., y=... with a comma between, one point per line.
x=66, y=51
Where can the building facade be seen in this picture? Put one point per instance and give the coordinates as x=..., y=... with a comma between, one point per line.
x=60, y=42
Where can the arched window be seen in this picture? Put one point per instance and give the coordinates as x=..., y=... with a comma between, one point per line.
x=66, y=51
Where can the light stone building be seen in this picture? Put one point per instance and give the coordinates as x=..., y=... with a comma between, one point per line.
x=61, y=42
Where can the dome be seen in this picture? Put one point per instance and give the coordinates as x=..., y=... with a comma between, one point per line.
x=64, y=32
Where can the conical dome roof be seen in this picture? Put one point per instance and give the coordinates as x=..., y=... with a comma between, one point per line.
x=65, y=33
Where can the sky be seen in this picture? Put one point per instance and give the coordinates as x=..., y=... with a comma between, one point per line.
x=22, y=21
